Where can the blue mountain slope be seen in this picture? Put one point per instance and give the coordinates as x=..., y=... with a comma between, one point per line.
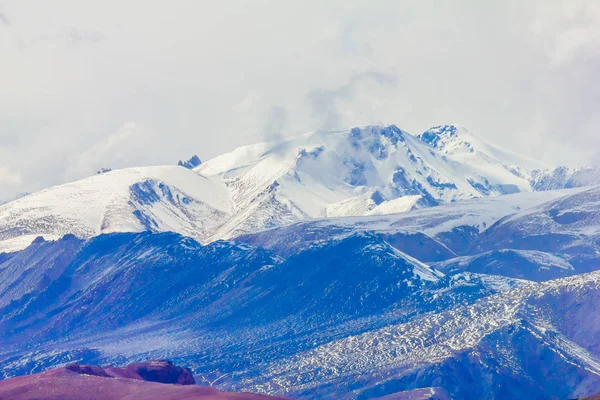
x=568, y=225
x=539, y=341
x=292, y=239
x=521, y=264
x=116, y=279
x=126, y=288
x=358, y=275
x=26, y=273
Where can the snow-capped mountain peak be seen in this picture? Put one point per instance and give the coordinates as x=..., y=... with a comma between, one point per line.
x=167, y=198
x=352, y=172
x=445, y=138
x=463, y=144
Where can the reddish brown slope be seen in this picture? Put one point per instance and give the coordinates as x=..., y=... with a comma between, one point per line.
x=153, y=380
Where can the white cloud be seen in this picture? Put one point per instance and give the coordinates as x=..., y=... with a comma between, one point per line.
x=204, y=78
x=10, y=181
x=128, y=146
x=8, y=177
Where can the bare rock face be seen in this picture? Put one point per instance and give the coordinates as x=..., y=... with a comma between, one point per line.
x=191, y=163
x=152, y=380
x=164, y=372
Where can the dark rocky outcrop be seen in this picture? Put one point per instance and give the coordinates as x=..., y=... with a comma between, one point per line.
x=161, y=371
x=103, y=171
x=191, y=163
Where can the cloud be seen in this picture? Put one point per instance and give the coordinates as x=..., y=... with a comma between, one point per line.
x=566, y=109
x=275, y=125
x=251, y=99
x=10, y=181
x=4, y=20
x=76, y=36
x=126, y=147
x=327, y=104
x=8, y=177
x=205, y=79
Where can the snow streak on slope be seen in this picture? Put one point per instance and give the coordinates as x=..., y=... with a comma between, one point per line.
x=577, y=213
x=132, y=200
x=570, y=224
x=523, y=264
x=477, y=214
x=382, y=357
x=564, y=177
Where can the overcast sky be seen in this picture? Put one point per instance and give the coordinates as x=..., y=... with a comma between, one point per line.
x=117, y=83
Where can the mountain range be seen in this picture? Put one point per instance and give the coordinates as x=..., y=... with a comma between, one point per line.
x=352, y=264
x=375, y=170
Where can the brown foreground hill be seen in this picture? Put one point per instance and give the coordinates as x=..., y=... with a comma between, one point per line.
x=151, y=380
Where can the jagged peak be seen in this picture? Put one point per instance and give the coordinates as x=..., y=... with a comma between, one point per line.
x=447, y=138
x=390, y=131
x=443, y=130
x=38, y=240
x=193, y=162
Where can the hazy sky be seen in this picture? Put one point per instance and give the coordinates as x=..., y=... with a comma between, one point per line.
x=107, y=83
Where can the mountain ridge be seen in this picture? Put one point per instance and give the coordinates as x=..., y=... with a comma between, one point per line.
x=373, y=170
